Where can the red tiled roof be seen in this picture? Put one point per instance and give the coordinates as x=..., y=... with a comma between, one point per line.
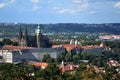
x=72, y=46
x=67, y=46
x=113, y=63
x=90, y=47
x=68, y=67
x=40, y=64
x=9, y=47
x=55, y=46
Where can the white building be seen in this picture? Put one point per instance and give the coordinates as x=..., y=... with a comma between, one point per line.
x=17, y=56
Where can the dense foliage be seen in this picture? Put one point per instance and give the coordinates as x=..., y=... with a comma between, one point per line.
x=52, y=72
x=7, y=42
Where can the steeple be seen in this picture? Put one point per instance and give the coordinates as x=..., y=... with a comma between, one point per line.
x=26, y=33
x=26, y=36
x=20, y=33
x=38, y=37
x=38, y=30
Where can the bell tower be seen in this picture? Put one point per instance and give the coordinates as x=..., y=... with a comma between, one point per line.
x=38, y=37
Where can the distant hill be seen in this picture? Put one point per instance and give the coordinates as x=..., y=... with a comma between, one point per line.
x=13, y=29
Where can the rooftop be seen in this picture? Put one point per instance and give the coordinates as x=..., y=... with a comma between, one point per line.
x=67, y=46
x=9, y=47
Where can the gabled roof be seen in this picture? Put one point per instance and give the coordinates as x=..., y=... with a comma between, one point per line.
x=68, y=67
x=91, y=47
x=9, y=47
x=40, y=64
x=67, y=46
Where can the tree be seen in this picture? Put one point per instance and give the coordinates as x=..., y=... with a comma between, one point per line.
x=51, y=72
x=8, y=42
x=76, y=57
x=47, y=58
x=68, y=57
x=13, y=72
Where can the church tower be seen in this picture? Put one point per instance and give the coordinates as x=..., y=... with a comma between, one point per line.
x=23, y=37
x=39, y=37
x=26, y=37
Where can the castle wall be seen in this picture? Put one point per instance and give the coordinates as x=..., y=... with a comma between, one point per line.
x=29, y=54
x=93, y=51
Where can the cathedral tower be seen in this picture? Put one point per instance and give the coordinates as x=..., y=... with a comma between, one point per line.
x=23, y=38
x=39, y=37
x=26, y=37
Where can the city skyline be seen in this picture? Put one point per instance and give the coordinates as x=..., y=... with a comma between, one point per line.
x=60, y=11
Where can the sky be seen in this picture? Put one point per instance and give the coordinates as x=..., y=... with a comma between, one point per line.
x=60, y=11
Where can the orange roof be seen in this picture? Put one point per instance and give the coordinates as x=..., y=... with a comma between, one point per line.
x=72, y=46
x=90, y=47
x=67, y=46
x=55, y=46
x=40, y=64
x=9, y=47
x=68, y=67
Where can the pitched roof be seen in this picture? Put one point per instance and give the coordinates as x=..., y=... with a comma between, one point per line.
x=68, y=67
x=72, y=46
x=40, y=64
x=91, y=47
x=9, y=47
x=67, y=46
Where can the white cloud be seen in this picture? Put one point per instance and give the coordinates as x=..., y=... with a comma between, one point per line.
x=12, y=1
x=92, y=12
x=78, y=7
x=35, y=1
x=2, y=5
x=85, y=5
x=36, y=7
x=71, y=11
x=117, y=5
x=35, y=4
x=76, y=1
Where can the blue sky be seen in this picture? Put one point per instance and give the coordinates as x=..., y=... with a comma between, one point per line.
x=60, y=11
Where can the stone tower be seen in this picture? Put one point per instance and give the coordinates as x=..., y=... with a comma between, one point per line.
x=38, y=37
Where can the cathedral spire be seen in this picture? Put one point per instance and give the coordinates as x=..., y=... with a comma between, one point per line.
x=26, y=32
x=38, y=30
x=38, y=36
x=20, y=33
x=26, y=36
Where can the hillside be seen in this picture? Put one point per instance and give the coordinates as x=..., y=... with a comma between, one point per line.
x=13, y=29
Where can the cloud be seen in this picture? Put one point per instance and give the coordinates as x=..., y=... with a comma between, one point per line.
x=117, y=5
x=75, y=8
x=5, y=3
x=35, y=1
x=12, y=1
x=35, y=4
x=85, y=5
x=71, y=11
x=92, y=12
x=76, y=1
x=36, y=7
x=2, y=5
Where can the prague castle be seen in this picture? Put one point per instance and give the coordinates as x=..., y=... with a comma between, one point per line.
x=38, y=40
x=30, y=47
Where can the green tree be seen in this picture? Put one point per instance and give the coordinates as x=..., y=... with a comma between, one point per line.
x=51, y=72
x=68, y=57
x=13, y=72
x=47, y=58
